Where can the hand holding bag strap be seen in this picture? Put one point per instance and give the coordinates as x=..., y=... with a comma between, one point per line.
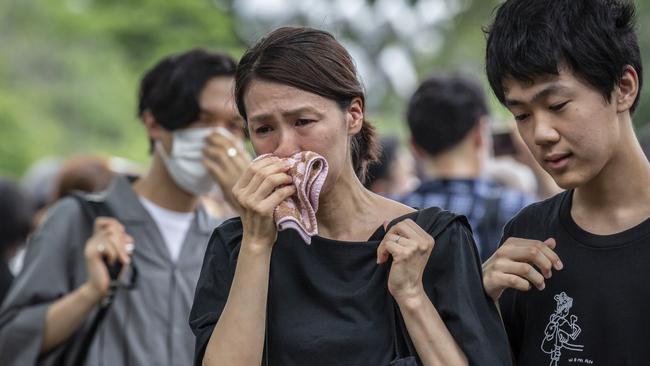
x=93, y=209
x=434, y=221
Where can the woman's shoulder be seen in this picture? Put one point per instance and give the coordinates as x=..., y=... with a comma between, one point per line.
x=394, y=209
x=227, y=235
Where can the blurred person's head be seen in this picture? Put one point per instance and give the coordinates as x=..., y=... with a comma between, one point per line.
x=191, y=89
x=570, y=72
x=298, y=89
x=85, y=173
x=447, y=119
x=183, y=99
x=16, y=211
x=39, y=180
x=394, y=173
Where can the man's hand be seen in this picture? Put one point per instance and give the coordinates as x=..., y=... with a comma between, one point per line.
x=518, y=263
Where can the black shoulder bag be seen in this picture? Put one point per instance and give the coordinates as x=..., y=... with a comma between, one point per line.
x=92, y=209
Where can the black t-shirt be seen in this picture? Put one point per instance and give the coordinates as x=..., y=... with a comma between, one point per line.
x=595, y=311
x=328, y=302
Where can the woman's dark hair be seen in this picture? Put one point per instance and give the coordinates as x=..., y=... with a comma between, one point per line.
x=314, y=61
x=443, y=110
x=381, y=169
x=594, y=38
x=170, y=90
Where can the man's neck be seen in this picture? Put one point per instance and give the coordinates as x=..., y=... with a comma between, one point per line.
x=619, y=197
x=158, y=187
x=452, y=166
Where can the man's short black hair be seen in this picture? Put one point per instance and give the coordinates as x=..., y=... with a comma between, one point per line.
x=170, y=91
x=443, y=110
x=595, y=39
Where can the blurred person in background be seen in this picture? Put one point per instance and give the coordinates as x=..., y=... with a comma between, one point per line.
x=16, y=214
x=157, y=224
x=57, y=178
x=450, y=135
x=39, y=183
x=515, y=166
x=394, y=173
x=84, y=173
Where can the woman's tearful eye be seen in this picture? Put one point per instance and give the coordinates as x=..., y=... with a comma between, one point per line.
x=304, y=121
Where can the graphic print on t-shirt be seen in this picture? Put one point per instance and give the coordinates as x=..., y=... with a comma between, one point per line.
x=560, y=330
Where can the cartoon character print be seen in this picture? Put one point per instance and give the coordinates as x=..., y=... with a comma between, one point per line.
x=560, y=330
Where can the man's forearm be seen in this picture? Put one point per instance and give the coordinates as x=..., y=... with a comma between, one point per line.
x=66, y=315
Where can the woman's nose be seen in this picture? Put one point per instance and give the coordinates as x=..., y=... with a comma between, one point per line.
x=288, y=144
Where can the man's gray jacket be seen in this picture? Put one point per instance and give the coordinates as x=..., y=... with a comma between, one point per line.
x=147, y=325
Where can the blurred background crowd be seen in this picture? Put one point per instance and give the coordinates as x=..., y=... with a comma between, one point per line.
x=69, y=71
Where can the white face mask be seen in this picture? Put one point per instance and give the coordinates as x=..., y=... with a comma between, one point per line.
x=185, y=164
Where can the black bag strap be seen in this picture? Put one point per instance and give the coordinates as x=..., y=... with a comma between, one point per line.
x=93, y=208
x=433, y=220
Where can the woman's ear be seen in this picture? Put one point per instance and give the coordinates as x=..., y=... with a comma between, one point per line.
x=627, y=89
x=354, y=116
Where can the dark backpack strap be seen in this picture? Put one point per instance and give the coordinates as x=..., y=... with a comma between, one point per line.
x=433, y=220
x=93, y=208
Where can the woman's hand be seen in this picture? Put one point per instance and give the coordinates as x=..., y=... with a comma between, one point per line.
x=517, y=264
x=109, y=242
x=262, y=186
x=226, y=161
x=410, y=246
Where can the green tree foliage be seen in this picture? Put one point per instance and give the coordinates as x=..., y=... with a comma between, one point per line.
x=69, y=71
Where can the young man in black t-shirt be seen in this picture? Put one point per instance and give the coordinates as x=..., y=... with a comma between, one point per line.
x=571, y=272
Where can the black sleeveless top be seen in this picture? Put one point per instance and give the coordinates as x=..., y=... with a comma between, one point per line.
x=328, y=302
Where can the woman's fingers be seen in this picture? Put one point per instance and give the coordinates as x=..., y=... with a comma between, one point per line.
x=266, y=179
x=386, y=249
x=252, y=170
x=262, y=172
x=270, y=183
x=267, y=205
x=412, y=234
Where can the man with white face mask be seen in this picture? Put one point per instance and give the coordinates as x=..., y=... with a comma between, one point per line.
x=158, y=225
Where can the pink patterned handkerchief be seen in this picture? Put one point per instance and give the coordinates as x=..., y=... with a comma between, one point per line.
x=298, y=212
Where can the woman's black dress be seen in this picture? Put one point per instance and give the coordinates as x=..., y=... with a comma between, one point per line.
x=328, y=302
